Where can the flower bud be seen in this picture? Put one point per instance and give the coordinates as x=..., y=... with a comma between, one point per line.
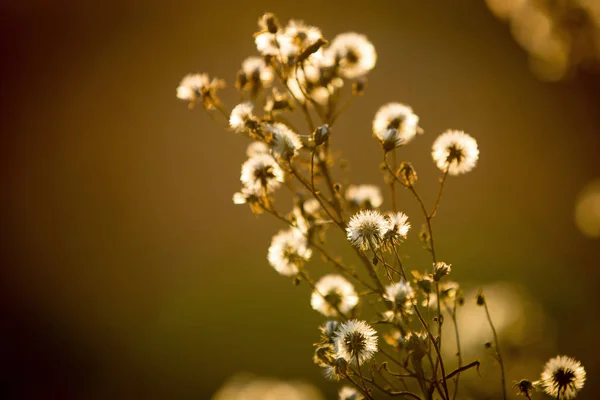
x=440, y=270
x=321, y=134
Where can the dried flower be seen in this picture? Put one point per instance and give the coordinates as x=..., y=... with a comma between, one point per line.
x=401, y=297
x=455, y=151
x=366, y=229
x=525, y=388
x=354, y=54
x=195, y=87
x=258, y=74
x=407, y=174
x=563, y=377
x=261, y=174
x=256, y=148
x=288, y=252
x=333, y=291
x=242, y=119
x=364, y=196
x=285, y=141
x=398, y=227
x=440, y=269
x=301, y=34
x=355, y=342
x=395, y=124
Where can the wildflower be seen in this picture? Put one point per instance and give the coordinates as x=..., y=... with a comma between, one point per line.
x=354, y=54
x=366, y=229
x=394, y=125
x=355, y=342
x=242, y=118
x=274, y=44
x=449, y=290
x=440, y=269
x=261, y=173
x=455, y=151
x=401, y=297
x=321, y=134
x=256, y=148
x=268, y=22
x=331, y=292
x=328, y=330
x=525, y=388
x=407, y=174
x=288, y=252
x=350, y=393
x=301, y=34
x=285, y=141
x=246, y=196
x=364, y=196
x=195, y=87
x=257, y=74
x=563, y=377
x=398, y=227
x=332, y=373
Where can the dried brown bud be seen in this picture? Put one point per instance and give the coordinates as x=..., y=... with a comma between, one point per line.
x=269, y=22
x=480, y=298
x=313, y=48
x=440, y=270
x=321, y=135
x=407, y=174
x=358, y=87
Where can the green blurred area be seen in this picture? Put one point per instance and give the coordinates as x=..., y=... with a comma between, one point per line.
x=127, y=263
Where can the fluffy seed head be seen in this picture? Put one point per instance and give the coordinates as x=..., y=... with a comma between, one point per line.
x=366, y=229
x=563, y=376
x=401, y=297
x=395, y=124
x=285, y=141
x=333, y=290
x=256, y=148
x=354, y=53
x=355, y=340
x=288, y=252
x=257, y=72
x=261, y=174
x=192, y=86
x=364, y=196
x=455, y=151
x=398, y=227
x=242, y=118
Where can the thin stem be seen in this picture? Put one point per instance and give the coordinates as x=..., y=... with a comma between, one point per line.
x=466, y=367
x=357, y=385
x=497, y=348
x=439, y=196
x=458, y=349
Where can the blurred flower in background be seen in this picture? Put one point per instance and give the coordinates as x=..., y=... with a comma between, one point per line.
x=249, y=387
x=587, y=210
x=560, y=36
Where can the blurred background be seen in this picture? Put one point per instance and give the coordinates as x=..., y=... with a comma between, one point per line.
x=127, y=272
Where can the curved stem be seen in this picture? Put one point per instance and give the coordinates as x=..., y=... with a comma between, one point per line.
x=489, y=318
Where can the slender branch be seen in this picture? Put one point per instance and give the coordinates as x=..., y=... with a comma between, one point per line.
x=497, y=348
x=464, y=368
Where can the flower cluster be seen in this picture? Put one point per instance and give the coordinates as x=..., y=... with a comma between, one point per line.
x=299, y=74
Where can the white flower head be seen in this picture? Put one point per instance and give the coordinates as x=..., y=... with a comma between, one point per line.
x=401, y=297
x=455, y=151
x=350, y=393
x=364, y=196
x=398, y=227
x=285, y=141
x=563, y=376
x=242, y=118
x=256, y=148
x=354, y=54
x=288, y=252
x=261, y=174
x=355, y=342
x=277, y=45
x=333, y=290
x=192, y=85
x=301, y=34
x=366, y=229
x=257, y=71
x=395, y=124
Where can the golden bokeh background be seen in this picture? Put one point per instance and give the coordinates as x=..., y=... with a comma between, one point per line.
x=128, y=272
